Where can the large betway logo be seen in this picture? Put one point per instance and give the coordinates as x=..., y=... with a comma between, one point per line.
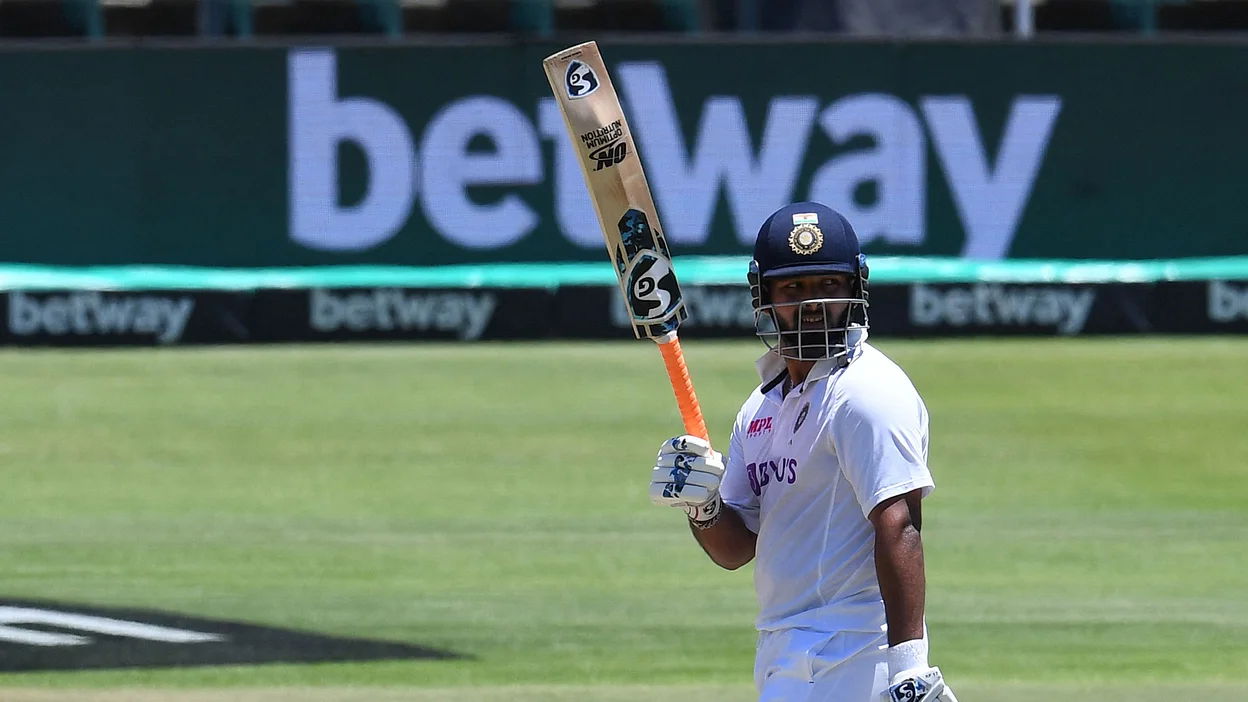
x=437, y=169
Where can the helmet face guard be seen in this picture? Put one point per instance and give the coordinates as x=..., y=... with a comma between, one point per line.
x=810, y=330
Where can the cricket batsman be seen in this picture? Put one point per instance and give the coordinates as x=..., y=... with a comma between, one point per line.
x=824, y=481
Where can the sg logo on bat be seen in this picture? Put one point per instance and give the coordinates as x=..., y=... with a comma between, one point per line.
x=652, y=291
x=579, y=80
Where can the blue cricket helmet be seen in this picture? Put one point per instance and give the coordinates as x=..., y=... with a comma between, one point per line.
x=807, y=238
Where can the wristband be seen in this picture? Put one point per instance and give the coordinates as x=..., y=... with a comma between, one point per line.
x=907, y=655
x=705, y=516
x=708, y=523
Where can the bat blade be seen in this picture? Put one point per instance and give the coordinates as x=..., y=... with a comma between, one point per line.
x=617, y=185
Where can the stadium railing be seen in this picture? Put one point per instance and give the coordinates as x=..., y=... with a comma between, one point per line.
x=391, y=19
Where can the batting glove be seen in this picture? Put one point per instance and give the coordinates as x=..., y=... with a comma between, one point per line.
x=913, y=680
x=687, y=473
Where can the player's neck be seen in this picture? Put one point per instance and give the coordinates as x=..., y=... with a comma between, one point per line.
x=798, y=370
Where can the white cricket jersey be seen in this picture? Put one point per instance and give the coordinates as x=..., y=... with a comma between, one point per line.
x=804, y=471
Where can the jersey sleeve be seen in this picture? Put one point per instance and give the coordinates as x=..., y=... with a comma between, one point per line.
x=735, y=488
x=880, y=437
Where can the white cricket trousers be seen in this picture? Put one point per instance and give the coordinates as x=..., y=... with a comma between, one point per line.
x=795, y=665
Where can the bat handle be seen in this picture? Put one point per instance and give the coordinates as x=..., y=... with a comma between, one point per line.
x=682, y=385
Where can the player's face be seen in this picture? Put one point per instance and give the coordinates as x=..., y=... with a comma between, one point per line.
x=787, y=293
x=810, y=314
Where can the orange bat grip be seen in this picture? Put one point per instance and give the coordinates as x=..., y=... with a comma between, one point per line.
x=682, y=385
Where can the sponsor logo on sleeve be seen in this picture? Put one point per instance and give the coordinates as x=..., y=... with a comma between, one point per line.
x=758, y=427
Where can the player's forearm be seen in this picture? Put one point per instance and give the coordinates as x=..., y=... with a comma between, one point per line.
x=728, y=542
x=900, y=571
x=899, y=567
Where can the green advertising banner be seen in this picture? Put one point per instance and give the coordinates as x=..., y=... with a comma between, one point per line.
x=435, y=155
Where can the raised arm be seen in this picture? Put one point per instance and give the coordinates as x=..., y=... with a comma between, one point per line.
x=728, y=542
x=687, y=474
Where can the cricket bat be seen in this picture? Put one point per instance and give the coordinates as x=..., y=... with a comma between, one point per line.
x=630, y=224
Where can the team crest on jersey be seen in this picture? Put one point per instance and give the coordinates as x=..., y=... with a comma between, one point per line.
x=759, y=426
x=579, y=80
x=801, y=417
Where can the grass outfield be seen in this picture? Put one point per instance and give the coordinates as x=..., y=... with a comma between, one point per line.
x=1086, y=541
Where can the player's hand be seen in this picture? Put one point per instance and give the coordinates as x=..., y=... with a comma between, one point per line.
x=687, y=473
x=919, y=685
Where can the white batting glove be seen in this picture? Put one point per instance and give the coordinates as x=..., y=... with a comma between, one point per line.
x=687, y=473
x=913, y=680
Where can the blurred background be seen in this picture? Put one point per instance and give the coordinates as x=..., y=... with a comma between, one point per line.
x=409, y=150
x=447, y=503
x=898, y=18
